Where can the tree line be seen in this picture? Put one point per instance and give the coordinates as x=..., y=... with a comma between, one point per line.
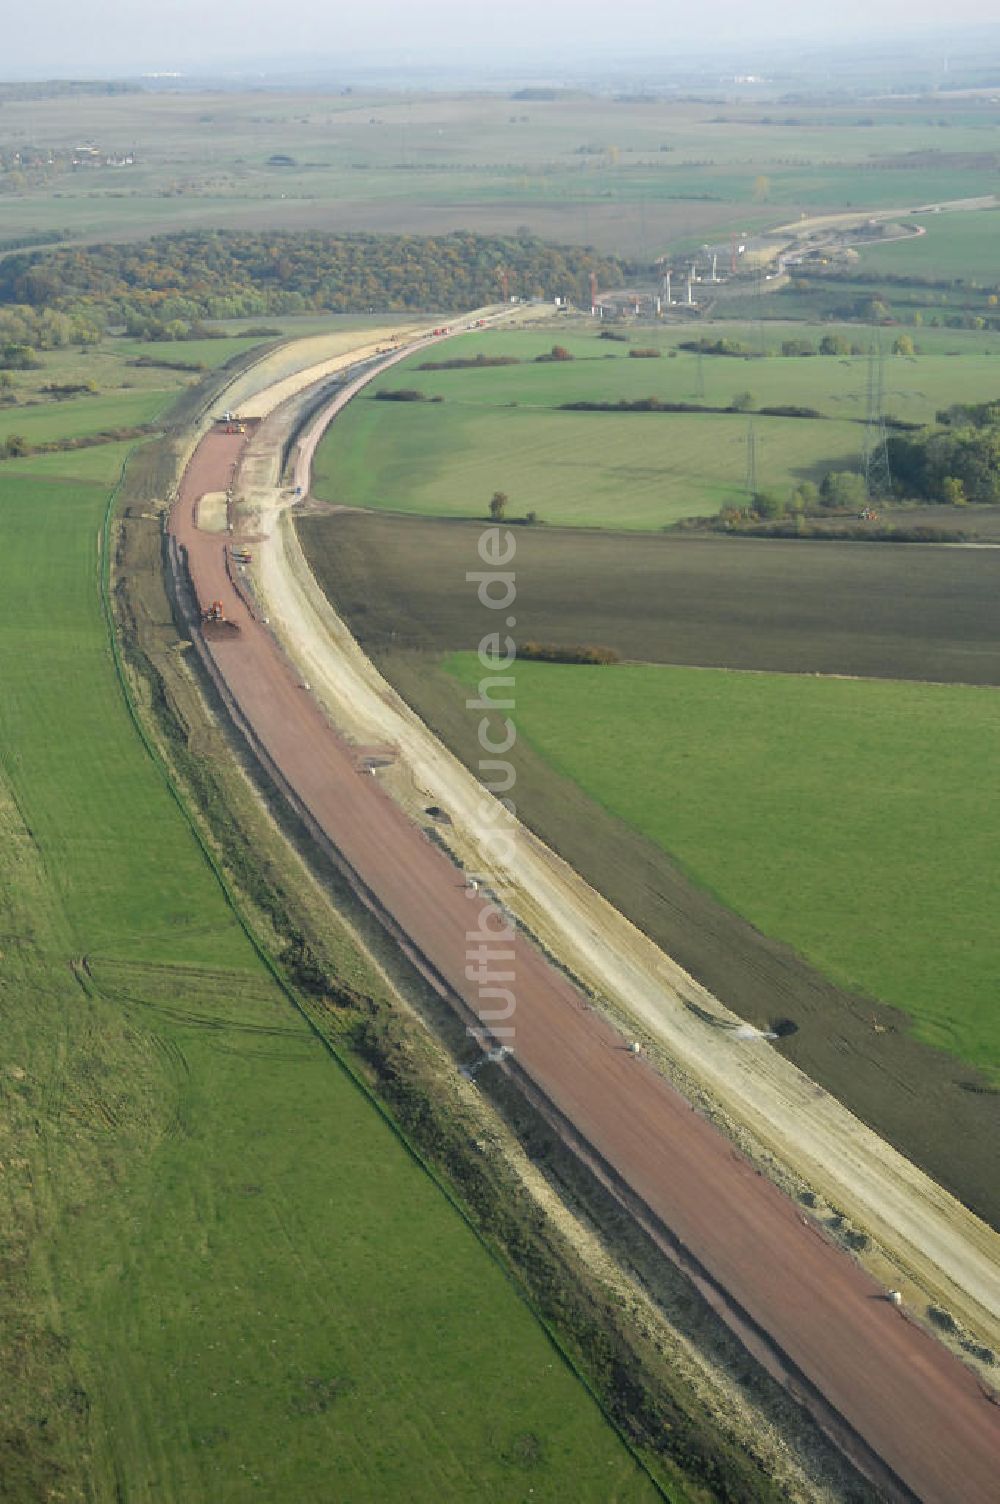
x=159, y=286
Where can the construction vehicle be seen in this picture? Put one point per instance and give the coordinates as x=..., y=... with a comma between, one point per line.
x=215, y=624
x=242, y=555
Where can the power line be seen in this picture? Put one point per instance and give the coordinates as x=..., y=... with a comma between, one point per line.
x=758, y=305
x=875, y=454
x=751, y=471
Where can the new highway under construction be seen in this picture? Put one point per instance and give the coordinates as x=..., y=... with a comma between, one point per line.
x=917, y=1421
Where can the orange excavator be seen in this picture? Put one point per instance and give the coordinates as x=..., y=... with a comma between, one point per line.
x=215, y=624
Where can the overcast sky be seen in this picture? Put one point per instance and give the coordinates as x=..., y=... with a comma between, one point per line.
x=101, y=37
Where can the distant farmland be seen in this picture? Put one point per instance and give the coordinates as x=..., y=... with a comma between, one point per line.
x=634, y=176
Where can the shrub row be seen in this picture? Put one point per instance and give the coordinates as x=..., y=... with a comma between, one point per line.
x=469, y=363
x=551, y=652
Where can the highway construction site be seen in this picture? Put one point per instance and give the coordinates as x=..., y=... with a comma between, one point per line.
x=658, y=1088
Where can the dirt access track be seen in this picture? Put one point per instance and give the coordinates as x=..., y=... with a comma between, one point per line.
x=911, y=1415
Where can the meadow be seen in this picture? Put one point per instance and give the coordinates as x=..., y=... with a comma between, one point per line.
x=224, y=1275
x=953, y=245
x=121, y=393
x=500, y=428
x=855, y=821
x=79, y=416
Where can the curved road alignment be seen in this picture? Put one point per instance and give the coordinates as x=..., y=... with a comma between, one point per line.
x=951, y=1255
x=896, y=1391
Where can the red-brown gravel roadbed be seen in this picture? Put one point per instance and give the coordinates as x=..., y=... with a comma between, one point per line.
x=915, y=1406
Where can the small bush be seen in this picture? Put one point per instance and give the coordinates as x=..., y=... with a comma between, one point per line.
x=789, y=410
x=168, y=365
x=472, y=363
x=703, y=346
x=984, y=1354
x=61, y=391
x=550, y=652
x=942, y=1319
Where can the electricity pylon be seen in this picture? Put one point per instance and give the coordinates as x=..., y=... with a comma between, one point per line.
x=875, y=454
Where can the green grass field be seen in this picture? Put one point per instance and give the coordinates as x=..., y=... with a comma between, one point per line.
x=224, y=1277
x=582, y=470
x=499, y=428
x=83, y=415
x=124, y=396
x=962, y=244
x=951, y=366
x=857, y=821
x=99, y=462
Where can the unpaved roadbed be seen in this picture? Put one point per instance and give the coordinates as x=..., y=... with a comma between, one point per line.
x=916, y=1407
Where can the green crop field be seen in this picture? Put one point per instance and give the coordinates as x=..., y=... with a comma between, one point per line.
x=950, y=366
x=962, y=244
x=82, y=415
x=98, y=462
x=224, y=1276
x=499, y=428
x=857, y=821
x=593, y=470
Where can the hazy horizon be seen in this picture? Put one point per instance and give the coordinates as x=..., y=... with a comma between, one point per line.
x=119, y=39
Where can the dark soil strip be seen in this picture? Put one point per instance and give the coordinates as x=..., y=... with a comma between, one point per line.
x=895, y=611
